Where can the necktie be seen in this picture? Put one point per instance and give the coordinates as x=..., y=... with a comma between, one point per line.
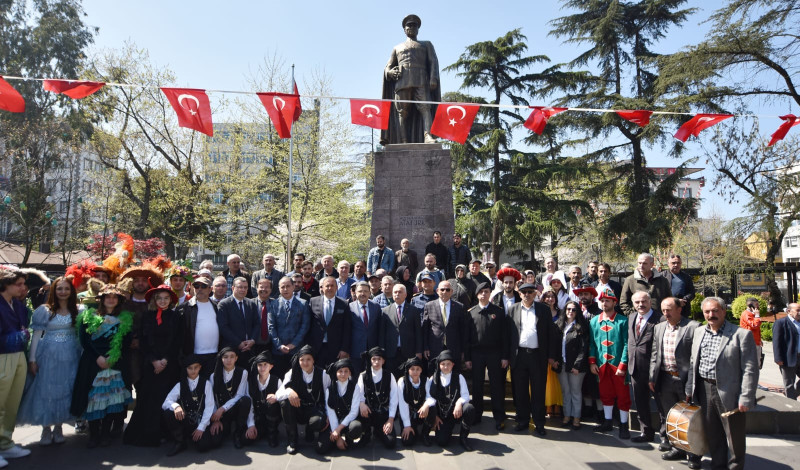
x=328, y=311
x=639, y=324
x=444, y=314
x=399, y=314
x=241, y=309
x=366, y=317
x=286, y=306
x=264, y=330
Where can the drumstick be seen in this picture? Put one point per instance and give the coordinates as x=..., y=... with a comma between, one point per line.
x=733, y=412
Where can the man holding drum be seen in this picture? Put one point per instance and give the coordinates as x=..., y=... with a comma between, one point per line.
x=669, y=369
x=723, y=378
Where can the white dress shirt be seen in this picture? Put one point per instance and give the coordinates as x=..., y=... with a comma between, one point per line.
x=240, y=391
x=341, y=387
x=405, y=411
x=528, y=337
x=171, y=402
x=464, y=392
x=283, y=391
x=251, y=419
x=377, y=376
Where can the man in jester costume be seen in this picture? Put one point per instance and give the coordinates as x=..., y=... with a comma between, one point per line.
x=608, y=360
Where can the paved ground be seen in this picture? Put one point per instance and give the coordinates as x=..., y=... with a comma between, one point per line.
x=562, y=449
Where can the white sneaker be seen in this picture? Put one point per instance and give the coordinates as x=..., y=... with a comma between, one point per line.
x=3, y=462
x=14, y=453
x=47, y=436
x=58, y=435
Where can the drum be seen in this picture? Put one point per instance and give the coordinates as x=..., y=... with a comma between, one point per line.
x=685, y=428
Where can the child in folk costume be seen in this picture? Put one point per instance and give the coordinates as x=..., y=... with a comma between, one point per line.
x=415, y=413
x=101, y=392
x=447, y=391
x=53, y=362
x=188, y=408
x=342, y=399
x=379, y=402
x=229, y=383
x=302, y=398
x=265, y=412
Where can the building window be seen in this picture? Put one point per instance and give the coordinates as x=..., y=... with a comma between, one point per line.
x=63, y=206
x=791, y=242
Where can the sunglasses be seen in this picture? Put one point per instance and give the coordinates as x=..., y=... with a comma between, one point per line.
x=445, y=289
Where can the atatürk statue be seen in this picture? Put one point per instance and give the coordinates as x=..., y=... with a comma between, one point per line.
x=411, y=74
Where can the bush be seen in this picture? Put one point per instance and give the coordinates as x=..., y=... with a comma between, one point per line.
x=697, y=312
x=739, y=304
x=766, y=331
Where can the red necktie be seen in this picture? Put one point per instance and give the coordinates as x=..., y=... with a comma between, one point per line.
x=264, y=319
x=366, y=317
x=399, y=313
x=639, y=325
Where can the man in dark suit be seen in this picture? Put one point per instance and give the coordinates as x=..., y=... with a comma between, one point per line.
x=400, y=333
x=200, y=328
x=365, y=319
x=331, y=325
x=289, y=320
x=269, y=272
x=298, y=292
x=640, y=346
x=263, y=300
x=786, y=349
x=238, y=321
x=723, y=378
x=488, y=349
x=669, y=369
x=444, y=331
x=533, y=345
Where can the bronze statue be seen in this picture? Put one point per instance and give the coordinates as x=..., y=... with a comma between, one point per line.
x=411, y=74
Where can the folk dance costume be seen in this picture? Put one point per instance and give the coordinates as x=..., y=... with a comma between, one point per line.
x=342, y=400
x=379, y=390
x=264, y=416
x=195, y=397
x=411, y=396
x=230, y=394
x=444, y=392
x=310, y=388
x=608, y=350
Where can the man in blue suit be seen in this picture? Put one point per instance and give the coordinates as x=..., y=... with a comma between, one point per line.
x=238, y=321
x=786, y=349
x=365, y=320
x=289, y=320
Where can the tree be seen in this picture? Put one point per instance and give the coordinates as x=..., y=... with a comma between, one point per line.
x=622, y=75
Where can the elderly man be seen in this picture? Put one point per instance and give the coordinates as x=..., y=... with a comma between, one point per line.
x=344, y=281
x=330, y=330
x=239, y=322
x=640, y=346
x=644, y=279
x=219, y=287
x=786, y=349
x=400, y=333
x=380, y=256
x=232, y=272
x=328, y=269
x=475, y=273
x=289, y=321
x=723, y=378
x=681, y=284
x=407, y=257
x=269, y=272
x=385, y=297
x=360, y=271
x=444, y=326
x=669, y=369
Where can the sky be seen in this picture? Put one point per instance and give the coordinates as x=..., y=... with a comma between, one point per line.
x=215, y=45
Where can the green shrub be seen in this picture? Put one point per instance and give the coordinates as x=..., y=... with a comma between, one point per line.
x=766, y=331
x=739, y=304
x=697, y=312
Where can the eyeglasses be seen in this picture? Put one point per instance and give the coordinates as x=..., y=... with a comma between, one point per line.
x=445, y=289
x=526, y=292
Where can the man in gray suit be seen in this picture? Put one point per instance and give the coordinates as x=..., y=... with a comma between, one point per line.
x=723, y=377
x=448, y=331
x=669, y=369
x=269, y=272
x=400, y=333
x=640, y=345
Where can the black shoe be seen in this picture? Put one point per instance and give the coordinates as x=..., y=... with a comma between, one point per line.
x=465, y=444
x=576, y=427
x=177, y=448
x=540, y=430
x=519, y=427
x=694, y=463
x=643, y=438
x=237, y=441
x=272, y=441
x=665, y=446
x=604, y=426
x=309, y=435
x=291, y=449
x=674, y=454
x=600, y=416
x=426, y=440
x=624, y=432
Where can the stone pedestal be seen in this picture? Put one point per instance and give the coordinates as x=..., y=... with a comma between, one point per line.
x=413, y=196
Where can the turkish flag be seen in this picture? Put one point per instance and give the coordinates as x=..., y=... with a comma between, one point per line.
x=789, y=121
x=281, y=108
x=192, y=107
x=370, y=113
x=10, y=99
x=699, y=122
x=454, y=120
x=637, y=116
x=75, y=90
x=539, y=117
x=299, y=109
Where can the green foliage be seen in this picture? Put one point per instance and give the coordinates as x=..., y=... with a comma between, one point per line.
x=766, y=330
x=739, y=305
x=697, y=312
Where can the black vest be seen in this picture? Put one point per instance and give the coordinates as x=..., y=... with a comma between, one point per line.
x=377, y=395
x=312, y=395
x=224, y=391
x=446, y=397
x=414, y=397
x=340, y=404
x=193, y=402
x=259, y=397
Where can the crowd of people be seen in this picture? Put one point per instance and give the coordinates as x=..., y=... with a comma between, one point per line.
x=234, y=355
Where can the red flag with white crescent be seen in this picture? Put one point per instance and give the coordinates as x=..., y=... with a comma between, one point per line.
x=639, y=117
x=192, y=107
x=299, y=109
x=370, y=113
x=539, y=117
x=789, y=121
x=698, y=123
x=74, y=89
x=10, y=99
x=281, y=109
x=454, y=120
